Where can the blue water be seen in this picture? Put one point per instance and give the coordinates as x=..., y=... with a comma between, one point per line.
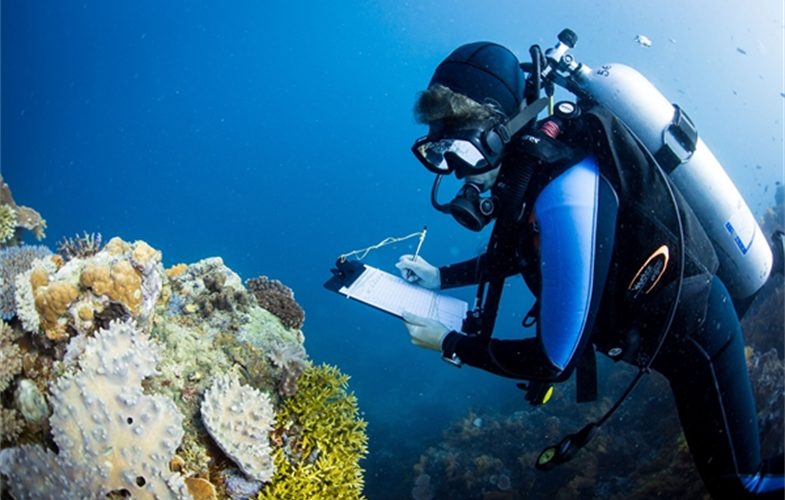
x=277, y=137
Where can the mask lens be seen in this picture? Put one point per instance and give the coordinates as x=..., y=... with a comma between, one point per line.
x=447, y=155
x=431, y=154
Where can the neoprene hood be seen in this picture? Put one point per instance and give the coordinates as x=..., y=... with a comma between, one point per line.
x=482, y=71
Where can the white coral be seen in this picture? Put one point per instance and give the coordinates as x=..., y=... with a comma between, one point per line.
x=240, y=419
x=110, y=434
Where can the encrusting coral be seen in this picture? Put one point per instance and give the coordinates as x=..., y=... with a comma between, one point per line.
x=321, y=441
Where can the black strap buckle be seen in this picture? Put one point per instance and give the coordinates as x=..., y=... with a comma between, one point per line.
x=679, y=141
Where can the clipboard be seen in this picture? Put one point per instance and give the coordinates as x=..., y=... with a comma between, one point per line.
x=394, y=295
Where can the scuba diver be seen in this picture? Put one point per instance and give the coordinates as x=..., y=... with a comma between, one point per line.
x=599, y=207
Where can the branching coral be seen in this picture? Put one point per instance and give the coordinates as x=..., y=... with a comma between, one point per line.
x=322, y=440
x=278, y=299
x=80, y=247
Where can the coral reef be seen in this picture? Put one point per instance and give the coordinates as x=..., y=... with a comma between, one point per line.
x=7, y=223
x=15, y=218
x=293, y=360
x=111, y=367
x=121, y=280
x=240, y=419
x=11, y=424
x=80, y=247
x=321, y=440
x=110, y=435
x=10, y=356
x=13, y=261
x=30, y=402
x=422, y=488
x=278, y=299
x=767, y=373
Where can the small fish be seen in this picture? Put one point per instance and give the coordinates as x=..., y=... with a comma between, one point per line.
x=643, y=41
x=741, y=51
x=782, y=94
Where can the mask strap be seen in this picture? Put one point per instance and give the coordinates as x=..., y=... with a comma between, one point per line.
x=525, y=115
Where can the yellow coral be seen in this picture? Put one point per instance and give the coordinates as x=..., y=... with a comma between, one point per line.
x=38, y=278
x=122, y=283
x=143, y=253
x=176, y=270
x=51, y=301
x=200, y=489
x=326, y=441
x=117, y=246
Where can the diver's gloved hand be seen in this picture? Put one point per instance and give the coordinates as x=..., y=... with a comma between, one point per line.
x=418, y=271
x=425, y=332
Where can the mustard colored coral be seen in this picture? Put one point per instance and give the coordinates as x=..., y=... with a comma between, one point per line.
x=322, y=441
x=121, y=283
x=52, y=301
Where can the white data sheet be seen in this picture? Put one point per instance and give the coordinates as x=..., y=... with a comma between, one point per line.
x=395, y=295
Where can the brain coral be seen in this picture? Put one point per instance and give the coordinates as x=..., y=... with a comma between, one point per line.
x=240, y=419
x=110, y=435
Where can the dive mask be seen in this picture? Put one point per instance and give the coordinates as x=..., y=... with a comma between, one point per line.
x=474, y=151
x=465, y=152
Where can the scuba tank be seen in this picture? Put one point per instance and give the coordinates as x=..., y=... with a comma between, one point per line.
x=666, y=131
